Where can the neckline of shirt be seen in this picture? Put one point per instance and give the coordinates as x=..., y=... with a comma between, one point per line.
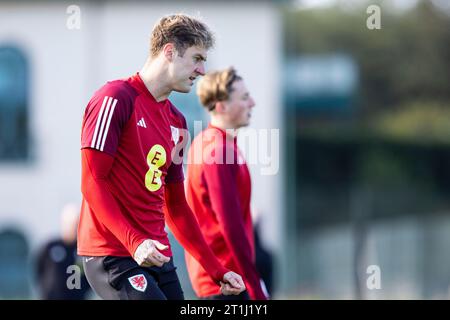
x=224, y=133
x=143, y=88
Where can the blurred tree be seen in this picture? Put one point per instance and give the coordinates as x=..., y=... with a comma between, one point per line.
x=403, y=61
x=390, y=158
x=419, y=122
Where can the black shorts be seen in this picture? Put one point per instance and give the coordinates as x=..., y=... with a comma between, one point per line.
x=121, y=278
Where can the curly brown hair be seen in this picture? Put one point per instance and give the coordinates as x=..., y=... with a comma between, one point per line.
x=216, y=86
x=183, y=31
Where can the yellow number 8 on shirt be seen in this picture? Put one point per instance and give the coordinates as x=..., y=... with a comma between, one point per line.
x=156, y=158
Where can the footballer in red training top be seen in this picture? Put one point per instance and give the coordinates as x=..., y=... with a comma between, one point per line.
x=124, y=111
x=219, y=186
x=132, y=176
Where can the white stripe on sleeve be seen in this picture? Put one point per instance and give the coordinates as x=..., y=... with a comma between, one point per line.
x=107, y=124
x=102, y=124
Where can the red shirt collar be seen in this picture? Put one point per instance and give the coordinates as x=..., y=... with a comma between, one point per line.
x=224, y=133
x=137, y=81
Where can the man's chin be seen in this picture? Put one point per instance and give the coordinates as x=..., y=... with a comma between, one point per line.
x=243, y=125
x=182, y=90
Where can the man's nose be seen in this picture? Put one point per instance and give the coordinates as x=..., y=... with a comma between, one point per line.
x=252, y=103
x=201, y=69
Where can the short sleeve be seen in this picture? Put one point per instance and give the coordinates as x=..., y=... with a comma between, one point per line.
x=106, y=114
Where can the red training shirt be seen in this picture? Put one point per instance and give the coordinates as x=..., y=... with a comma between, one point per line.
x=125, y=121
x=219, y=192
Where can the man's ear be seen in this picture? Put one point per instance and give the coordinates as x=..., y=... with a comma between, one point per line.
x=169, y=51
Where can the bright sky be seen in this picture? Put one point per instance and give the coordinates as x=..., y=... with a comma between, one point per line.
x=311, y=4
x=443, y=5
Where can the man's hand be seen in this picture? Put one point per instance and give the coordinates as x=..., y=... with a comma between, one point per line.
x=147, y=254
x=232, y=284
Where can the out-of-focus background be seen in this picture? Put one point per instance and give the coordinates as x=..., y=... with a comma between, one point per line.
x=358, y=206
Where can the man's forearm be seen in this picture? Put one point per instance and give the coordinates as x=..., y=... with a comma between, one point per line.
x=94, y=186
x=184, y=226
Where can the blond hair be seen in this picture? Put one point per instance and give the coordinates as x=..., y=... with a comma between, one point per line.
x=181, y=30
x=216, y=86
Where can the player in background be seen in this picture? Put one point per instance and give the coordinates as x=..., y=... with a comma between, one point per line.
x=132, y=175
x=57, y=259
x=219, y=185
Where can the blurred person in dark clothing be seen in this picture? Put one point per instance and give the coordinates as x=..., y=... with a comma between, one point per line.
x=59, y=269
